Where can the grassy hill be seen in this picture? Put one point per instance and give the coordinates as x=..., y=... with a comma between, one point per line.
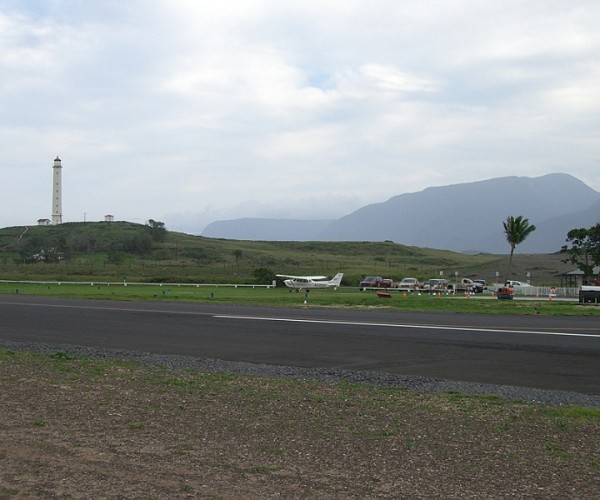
x=113, y=251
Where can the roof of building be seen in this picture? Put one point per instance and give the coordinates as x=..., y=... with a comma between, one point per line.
x=579, y=272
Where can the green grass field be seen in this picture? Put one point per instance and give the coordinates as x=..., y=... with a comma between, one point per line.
x=343, y=297
x=122, y=252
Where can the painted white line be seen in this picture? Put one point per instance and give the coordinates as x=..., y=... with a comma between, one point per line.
x=400, y=325
x=315, y=321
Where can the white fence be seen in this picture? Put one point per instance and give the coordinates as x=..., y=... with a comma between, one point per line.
x=128, y=283
x=543, y=291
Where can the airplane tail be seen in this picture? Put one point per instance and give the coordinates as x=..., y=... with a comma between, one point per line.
x=336, y=280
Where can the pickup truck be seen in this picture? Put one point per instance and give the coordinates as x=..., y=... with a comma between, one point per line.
x=375, y=282
x=475, y=286
x=409, y=284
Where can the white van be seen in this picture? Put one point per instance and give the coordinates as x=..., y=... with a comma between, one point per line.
x=514, y=284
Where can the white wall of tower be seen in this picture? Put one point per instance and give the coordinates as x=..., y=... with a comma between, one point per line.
x=56, y=192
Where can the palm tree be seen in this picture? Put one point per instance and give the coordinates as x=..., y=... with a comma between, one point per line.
x=516, y=229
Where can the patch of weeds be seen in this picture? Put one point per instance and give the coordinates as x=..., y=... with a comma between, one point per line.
x=350, y=387
x=136, y=425
x=96, y=370
x=260, y=469
x=574, y=412
x=318, y=398
x=62, y=356
x=187, y=446
x=220, y=377
x=186, y=488
x=409, y=442
x=427, y=407
x=508, y=423
x=39, y=423
x=556, y=449
x=455, y=396
x=383, y=434
x=492, y=398
x=560, y=423
x=180, y=382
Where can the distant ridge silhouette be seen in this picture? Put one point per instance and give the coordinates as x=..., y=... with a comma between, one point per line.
x=461, y=217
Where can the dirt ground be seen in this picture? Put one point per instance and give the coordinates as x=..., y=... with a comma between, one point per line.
x=71, y=428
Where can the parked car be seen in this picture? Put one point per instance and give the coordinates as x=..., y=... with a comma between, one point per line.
x=481, y=283
x=436, y=285
x=475, y=286
x=375, y=282
x=409, y=284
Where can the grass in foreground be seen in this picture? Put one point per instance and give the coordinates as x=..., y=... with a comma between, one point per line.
x=80, y=427
x=344, y=297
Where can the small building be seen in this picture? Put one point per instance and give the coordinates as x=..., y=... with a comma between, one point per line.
x=577, y=278
x=109, y=218
x=43, y=222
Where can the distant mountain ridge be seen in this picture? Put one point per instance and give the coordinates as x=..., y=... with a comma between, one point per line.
x=460, y=217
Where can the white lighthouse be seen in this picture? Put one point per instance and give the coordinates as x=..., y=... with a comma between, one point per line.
x=56, y=192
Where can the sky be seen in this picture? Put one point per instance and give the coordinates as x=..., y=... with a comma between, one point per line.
x=192, y=111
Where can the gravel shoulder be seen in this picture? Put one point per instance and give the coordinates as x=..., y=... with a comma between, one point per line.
x=415, y=383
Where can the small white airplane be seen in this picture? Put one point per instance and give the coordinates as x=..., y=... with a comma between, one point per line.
x=308, y=282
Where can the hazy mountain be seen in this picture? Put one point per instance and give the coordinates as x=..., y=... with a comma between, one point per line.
x=461, y=217
x=266, y=229
x=469, y=216
x=551, y=234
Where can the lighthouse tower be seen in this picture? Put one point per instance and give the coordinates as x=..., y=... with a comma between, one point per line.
x=56, y=192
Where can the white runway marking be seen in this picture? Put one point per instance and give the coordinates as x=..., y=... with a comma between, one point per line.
x=400, y=325
x=315, y=321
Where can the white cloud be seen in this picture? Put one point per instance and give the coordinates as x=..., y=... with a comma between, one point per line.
x=386, y=77
x=235, y=108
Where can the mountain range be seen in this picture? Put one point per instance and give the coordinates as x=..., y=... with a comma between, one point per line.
x=461, y=217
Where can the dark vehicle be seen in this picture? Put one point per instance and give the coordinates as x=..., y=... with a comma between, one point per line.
x=375, y=282
x=479, y=286
x=474, y=286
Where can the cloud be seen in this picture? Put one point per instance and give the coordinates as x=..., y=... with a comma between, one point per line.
x=268, y=108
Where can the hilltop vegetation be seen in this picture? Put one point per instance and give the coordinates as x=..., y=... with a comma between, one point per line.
x=114, y=251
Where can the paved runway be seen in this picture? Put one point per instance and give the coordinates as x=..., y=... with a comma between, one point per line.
x=532, y=351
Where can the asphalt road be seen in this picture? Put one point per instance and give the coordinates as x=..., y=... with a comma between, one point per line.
x=560, y=353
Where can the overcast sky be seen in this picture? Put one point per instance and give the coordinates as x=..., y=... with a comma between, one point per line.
x=191, y=111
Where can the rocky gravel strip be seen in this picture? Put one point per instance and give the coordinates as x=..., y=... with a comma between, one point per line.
x=409, y=382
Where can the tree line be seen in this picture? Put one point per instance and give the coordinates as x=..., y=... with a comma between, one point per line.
x=582, y=248
x=59, y=243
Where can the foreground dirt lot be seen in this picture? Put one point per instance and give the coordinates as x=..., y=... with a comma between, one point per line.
x=76, y=428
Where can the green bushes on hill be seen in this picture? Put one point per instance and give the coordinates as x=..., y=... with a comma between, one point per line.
x=150, y=253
